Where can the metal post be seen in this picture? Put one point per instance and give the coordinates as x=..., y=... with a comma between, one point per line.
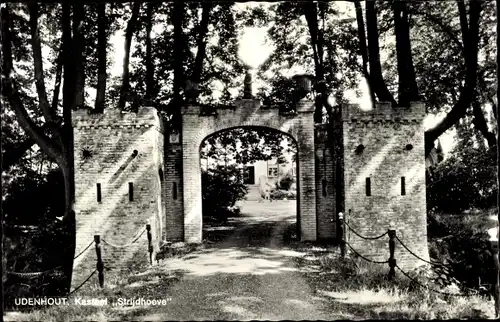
x=340, y=231
x=392, y=247
x=100, y=264
x=496, y=286
x=150, y=245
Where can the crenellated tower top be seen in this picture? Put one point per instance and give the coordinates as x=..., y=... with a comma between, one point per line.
x=384, y=111
x=115, y=118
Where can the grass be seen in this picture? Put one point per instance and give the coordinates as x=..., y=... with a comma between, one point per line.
x=362, y=290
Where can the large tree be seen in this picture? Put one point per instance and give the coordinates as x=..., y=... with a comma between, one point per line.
x=406, y=75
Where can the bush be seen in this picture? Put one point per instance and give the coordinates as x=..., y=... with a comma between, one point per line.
x=222, y=188
x=285, y=182
x=461, y=241
x=465, y=180
x=277, y=194
x=48, y=245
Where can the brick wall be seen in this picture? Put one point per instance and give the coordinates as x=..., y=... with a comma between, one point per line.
x=325, y=185
x=112, y=138
x=385, y=132
x=173, y=190
x=247, y=112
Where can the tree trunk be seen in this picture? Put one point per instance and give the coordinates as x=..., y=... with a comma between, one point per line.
x=101, y=56
x=57, y=149
x=69, y=64
x=66, y=159
x=177, y=17
x=311, y=15
x=150, y=86
x=378, y=83
x=498, y=131
x=362, y=47
x=407, y=90
x=79, y=47
x=201, y=42
x=131, y=26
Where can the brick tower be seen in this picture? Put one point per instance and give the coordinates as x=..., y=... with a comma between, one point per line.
x=384, y=162
x=118, y=158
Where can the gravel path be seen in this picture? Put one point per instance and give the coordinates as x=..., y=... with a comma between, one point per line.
x=248, y=275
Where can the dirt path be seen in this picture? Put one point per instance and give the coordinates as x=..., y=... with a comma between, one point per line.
x=248, y=275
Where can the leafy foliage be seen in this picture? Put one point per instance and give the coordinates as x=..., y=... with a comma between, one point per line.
x=285, y=182
x=222, y=188
x=246, y=145
x=461, y=241
x=465, y=180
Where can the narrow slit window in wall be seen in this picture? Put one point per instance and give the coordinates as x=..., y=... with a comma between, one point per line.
x=174, y=188
x=99, y=196
x=368, y=187
x=403, y=186
x=130, y=191
x=324, y=186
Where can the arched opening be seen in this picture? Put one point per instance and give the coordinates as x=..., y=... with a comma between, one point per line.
x=249, y=183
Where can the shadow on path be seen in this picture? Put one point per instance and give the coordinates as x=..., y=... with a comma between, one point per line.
x=253, y=268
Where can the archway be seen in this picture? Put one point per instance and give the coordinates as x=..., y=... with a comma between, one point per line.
x=249, y=186
x=247, y=112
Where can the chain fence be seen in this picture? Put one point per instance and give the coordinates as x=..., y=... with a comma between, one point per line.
x=127, y=245
x=365, y=258
x=86, y=280
x=407, y=275
x=83, y=251
x=364, y=237
x=32, y=275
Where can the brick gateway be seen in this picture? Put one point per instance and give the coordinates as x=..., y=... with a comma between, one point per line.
x=131, y=171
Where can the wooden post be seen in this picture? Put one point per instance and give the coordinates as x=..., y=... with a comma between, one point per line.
x=392, y=247
x=496, y=286
x=150, y=244
x=340, y=231
x=100, y=264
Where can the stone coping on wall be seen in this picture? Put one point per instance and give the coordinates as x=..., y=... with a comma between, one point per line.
x=303, y=106
x=384, y=111
x=114, y=117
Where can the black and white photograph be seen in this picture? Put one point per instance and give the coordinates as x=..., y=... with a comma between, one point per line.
x=249, y=161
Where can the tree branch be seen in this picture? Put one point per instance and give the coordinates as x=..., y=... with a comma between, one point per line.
x=13, y=154
x=311, y=15
x=446, y=29
x=464, y=26
x=10, y=91
x=471, y=39
x=57, y=84
x=49, y=114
